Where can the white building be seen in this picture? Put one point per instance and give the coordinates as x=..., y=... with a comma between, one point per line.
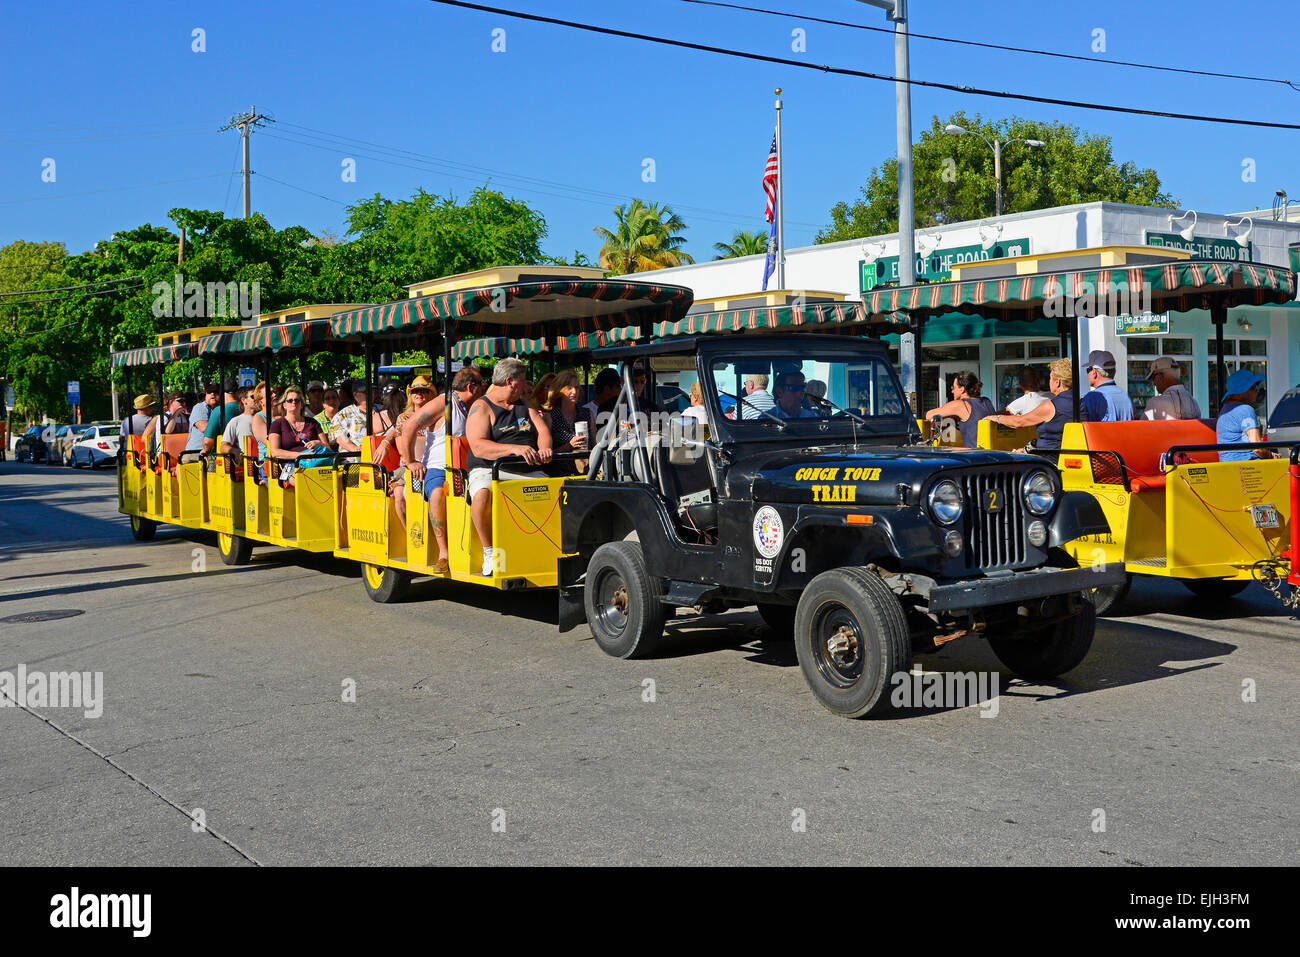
x=1265, y=338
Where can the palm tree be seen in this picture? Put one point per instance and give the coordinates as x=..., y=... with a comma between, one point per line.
x=744, y=243
x=645, y=237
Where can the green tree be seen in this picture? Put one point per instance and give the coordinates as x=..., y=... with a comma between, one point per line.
x=744, y=243
x=646, y=236
x=953, y=177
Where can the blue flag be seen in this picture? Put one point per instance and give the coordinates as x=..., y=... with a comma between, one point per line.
x=769, y=265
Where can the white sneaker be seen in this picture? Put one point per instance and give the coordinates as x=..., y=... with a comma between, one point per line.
x=487, y=563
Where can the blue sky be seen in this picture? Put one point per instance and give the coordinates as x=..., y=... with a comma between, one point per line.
x=114, y=94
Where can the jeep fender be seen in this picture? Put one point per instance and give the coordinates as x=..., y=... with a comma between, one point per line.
x=1078, y=514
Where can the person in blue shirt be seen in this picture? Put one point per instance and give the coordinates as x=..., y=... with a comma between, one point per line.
x=1107, y=402
x=1238, y=422
x=789, y=396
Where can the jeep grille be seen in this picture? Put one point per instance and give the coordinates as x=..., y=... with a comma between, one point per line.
x=993, y=539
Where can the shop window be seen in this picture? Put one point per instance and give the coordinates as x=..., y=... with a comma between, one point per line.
x=1141, y=351
x=1249, y=354
x=1010, y=356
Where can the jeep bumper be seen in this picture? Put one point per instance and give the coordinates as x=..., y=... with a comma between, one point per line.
x=1018, y=586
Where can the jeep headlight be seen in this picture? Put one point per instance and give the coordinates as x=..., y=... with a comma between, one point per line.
x=946, y=502
x=1040, y=493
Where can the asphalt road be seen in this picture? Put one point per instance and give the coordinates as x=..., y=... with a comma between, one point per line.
x=481, y=736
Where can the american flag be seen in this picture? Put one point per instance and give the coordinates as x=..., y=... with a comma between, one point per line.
x=769, y=182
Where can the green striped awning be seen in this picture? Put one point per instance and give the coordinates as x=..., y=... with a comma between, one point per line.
x=152, y=355
x=532, y=309
x=820, y=316
x=288, y=335
x=500, y=346
x=1177, y=286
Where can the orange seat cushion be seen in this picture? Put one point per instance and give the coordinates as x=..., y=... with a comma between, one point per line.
x=1141, y=443
x=458, y=455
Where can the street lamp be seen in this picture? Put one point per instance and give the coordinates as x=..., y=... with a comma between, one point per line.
x=995, y=145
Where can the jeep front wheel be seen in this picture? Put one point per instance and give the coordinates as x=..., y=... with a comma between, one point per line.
x=1053, y=650
x=851, y=637
x=623, y=609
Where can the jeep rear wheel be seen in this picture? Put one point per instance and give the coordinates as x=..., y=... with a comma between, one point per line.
x=623, y=608
x=851, y=637
x=1053, y=650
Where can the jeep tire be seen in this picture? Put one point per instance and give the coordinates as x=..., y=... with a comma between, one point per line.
x=623, y=608
x=779, y=618
x=851, y=637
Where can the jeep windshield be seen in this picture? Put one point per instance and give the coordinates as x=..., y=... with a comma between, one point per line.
x=813, y=390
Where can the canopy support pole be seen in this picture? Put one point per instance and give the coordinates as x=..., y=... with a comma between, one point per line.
x=369, y=366
x=1219, y=316
x=126, y=370
x=302, y=371
x=916, y=326
x=267, y=408
x=1074, y=366
x=162, y=404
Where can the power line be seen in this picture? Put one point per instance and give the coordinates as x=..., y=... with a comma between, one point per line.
x=134, y=284
x=89, y=285
x=109, y=189
x=428, y=163
x=300, y=189
x=1000, y=46
x=845, y=71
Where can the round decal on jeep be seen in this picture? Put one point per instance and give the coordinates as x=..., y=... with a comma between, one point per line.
x=768, y=531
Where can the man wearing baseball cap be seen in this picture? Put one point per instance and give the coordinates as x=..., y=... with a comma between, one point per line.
x=1107, y=402
x=1238, y=422
x=1173, y=401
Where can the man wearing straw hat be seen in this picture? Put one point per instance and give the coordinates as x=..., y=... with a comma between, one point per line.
x=137, y=423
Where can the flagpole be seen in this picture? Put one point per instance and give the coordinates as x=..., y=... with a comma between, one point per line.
x=780, y=199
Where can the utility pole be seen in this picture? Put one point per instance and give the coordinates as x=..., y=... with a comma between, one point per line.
x=246, y=123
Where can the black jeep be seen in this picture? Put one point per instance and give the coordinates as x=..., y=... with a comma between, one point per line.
x=811, y=497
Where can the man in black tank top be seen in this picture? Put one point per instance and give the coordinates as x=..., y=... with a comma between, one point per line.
x=500, y=425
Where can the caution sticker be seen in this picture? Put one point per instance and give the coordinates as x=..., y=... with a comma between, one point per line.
x=536, y=493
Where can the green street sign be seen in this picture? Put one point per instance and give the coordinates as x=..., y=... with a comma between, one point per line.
x=1146, y=324
x=938, y=267
x=1204, y=247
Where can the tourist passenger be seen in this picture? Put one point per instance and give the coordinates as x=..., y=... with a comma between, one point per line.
x=1107, y=402
x=497, y=427
x=756, y=399
x=418, y=393
x=383, y=426
x=696, y=409
x=466, y=387
x=967, y=407
x=138, y=422
x=200, y=412
x=315, y=398
x=348, y=427
x=1173, y=401
x=1031, y=398
x=221, y=415
x=294, y=435
x=1050, y=416
x=606, y=388
x=1238, y=422
x=329, y=408
x=540, y=397
x=241, y=426
x=564, y=416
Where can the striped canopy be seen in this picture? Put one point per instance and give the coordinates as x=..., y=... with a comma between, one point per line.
x=821, y=316
x=152, y=355
x=532, y=309
x=289, y=335
x=1177, y=286
x=499, y=346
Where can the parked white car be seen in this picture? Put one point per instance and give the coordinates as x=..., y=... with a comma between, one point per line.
x=97, y=446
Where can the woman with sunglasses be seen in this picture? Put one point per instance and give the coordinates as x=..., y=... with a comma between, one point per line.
x=293, y=435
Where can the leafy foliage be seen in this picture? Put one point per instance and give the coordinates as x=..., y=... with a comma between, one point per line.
x=953, y=177
x=744, y=243
x=646, y=236
x=392, y=244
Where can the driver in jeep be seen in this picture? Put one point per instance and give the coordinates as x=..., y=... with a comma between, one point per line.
x=498, y=426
